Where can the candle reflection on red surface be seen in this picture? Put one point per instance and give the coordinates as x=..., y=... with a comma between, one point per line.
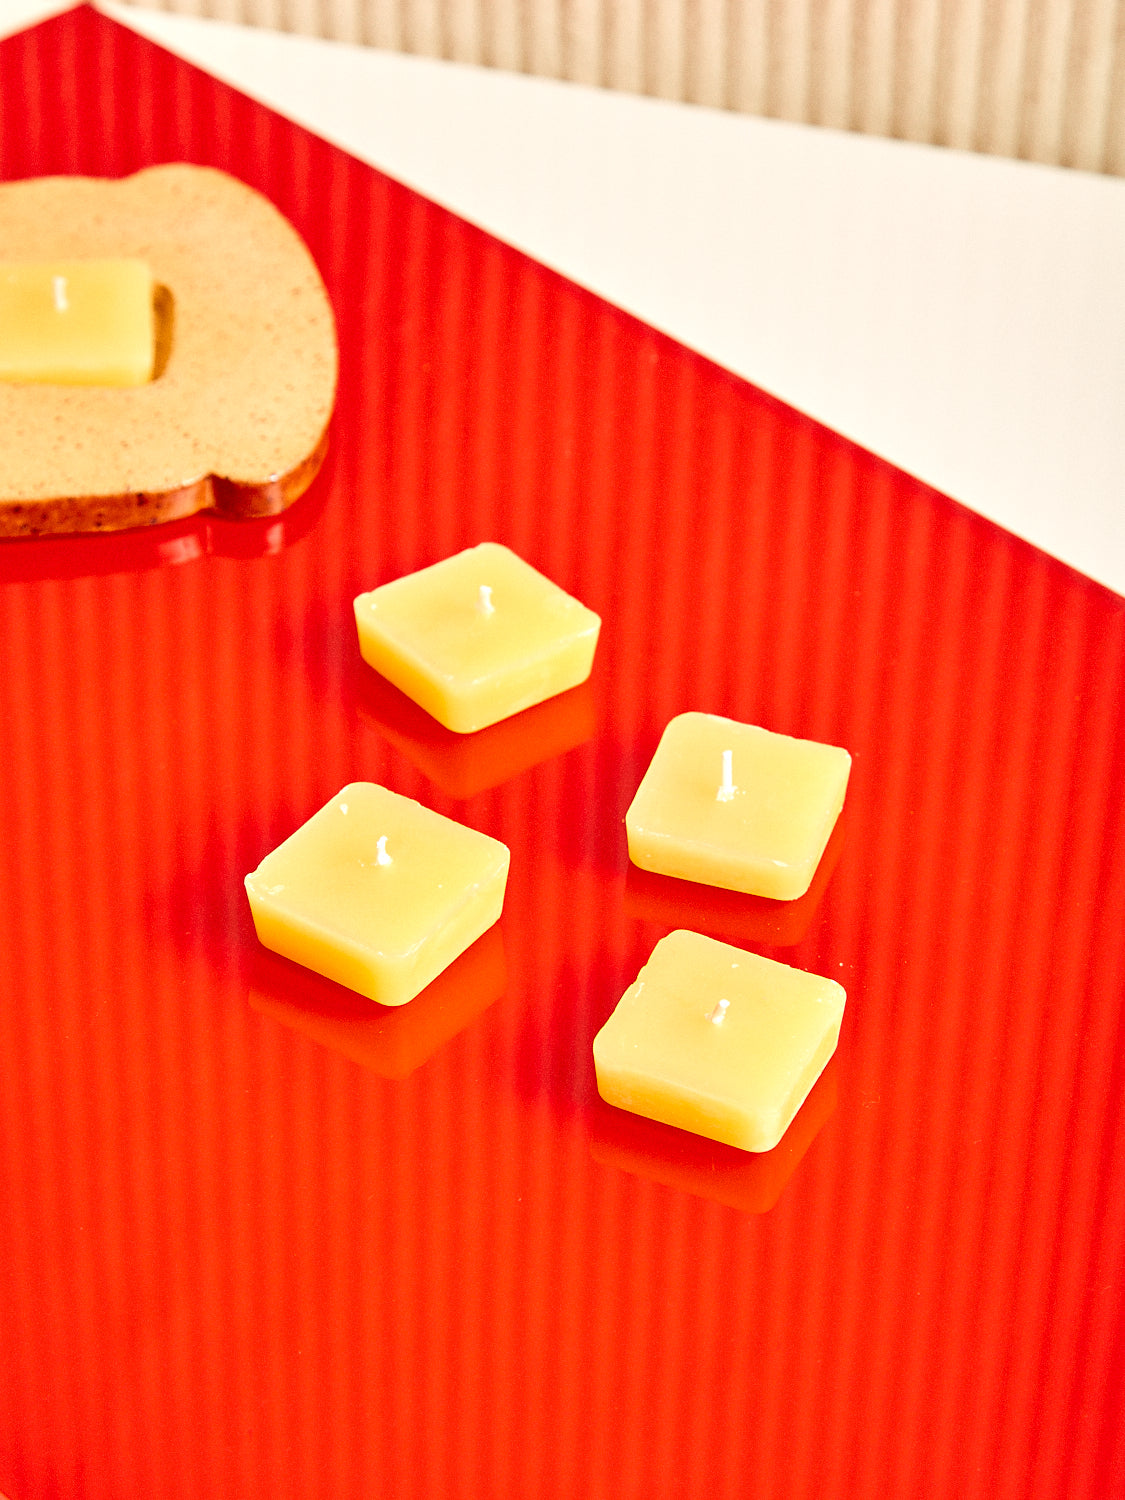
x=392, y=1041
x=746, y=1180
x=730, y=914
x=464, y=765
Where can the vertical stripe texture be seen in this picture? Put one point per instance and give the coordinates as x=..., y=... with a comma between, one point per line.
x=1043, y=80
x=243, y=1251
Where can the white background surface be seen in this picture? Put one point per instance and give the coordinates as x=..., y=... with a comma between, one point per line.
x=962, y=316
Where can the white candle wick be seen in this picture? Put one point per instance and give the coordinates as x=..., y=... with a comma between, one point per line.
x=58, y=284
x=717, y=1015
x=381, y=855
x=485, y=605
x=727, y=787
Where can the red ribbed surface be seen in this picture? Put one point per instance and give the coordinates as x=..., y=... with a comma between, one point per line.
x=241, y=1254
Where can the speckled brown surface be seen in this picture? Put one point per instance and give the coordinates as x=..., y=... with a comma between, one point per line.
x=248, y=386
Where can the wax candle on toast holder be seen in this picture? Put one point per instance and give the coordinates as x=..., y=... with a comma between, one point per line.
x=80, y=322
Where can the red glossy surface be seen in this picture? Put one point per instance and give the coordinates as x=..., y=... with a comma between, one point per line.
x=253, y=1241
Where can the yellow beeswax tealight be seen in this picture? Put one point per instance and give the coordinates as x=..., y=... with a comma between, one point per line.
x=732, y=805
x=378, y=892
x=82, y=322
x=718, y=1041
x=477, y=637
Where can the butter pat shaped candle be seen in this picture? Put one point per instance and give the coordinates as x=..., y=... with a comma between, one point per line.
x=733, y=805
x=378, y=892
x=86, y=322
x=477, y=637
x=718, y=1041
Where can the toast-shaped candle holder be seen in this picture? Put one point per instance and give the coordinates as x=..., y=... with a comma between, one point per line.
x=236, y=416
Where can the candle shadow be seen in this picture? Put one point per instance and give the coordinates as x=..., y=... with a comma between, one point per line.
x=464, y=765
x=392, y=1041
x=164, y=320
x=722, y=913
x=750, y=1181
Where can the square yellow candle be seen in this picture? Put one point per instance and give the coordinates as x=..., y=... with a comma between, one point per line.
x=732, y=805
x=718, y=1041
x=378, y=892
x=477, y=637
x=82, y=322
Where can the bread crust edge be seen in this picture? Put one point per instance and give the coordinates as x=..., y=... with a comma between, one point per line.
x=93, y=514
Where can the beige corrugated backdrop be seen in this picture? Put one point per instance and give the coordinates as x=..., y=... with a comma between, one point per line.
x=1040, y=79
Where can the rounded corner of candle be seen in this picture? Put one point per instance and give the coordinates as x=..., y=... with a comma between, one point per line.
x=799, y=882
x=767, y=1137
